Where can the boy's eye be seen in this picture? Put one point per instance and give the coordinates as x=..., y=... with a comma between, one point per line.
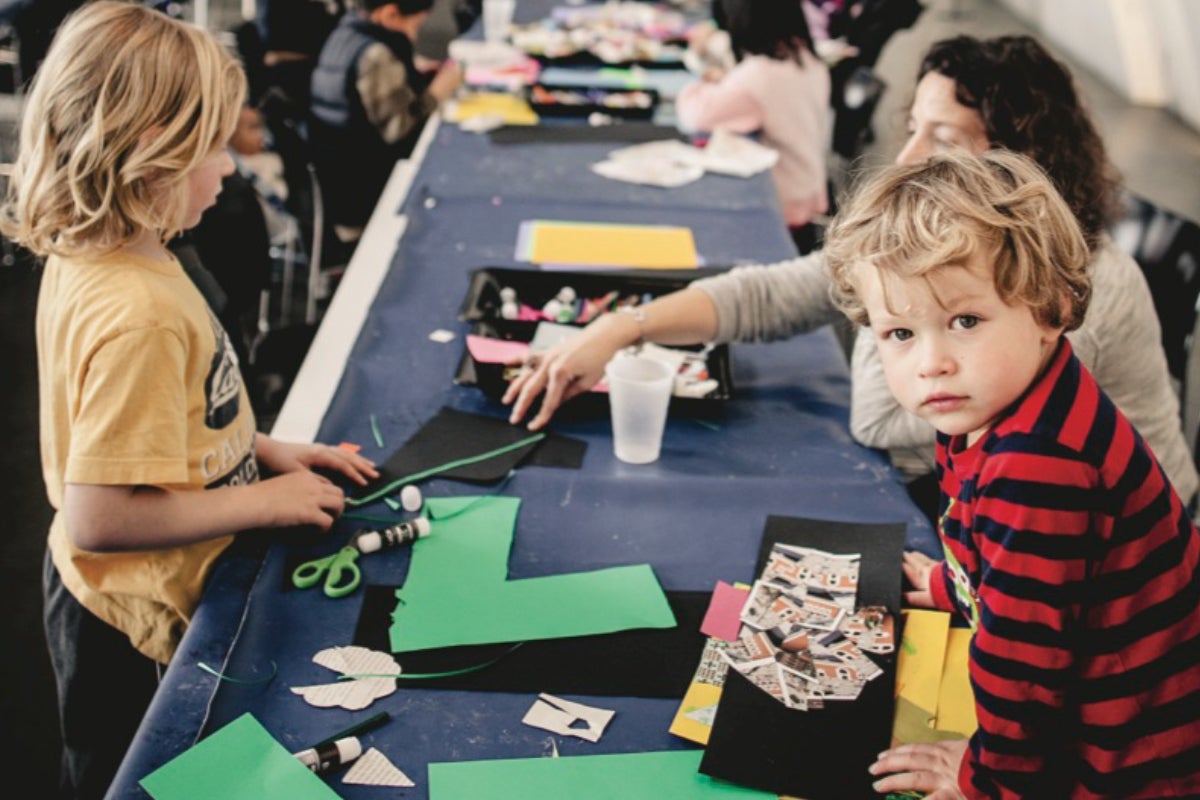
x=898, y=334
x=966, y=321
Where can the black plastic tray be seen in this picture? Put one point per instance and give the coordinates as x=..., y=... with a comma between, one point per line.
x=594, y=101
x=481, y=307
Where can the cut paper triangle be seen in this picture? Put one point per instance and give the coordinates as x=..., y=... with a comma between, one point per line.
x=374, y=769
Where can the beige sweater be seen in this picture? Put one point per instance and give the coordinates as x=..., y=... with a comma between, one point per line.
x=1119, y=342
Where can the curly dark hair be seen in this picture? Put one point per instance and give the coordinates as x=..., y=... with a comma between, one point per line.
x=1028, y=102
x=764, y=27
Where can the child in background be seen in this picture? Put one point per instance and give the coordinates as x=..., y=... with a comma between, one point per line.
x=1067, y=550
x=370, y=101
x=149, y=449
x=778, y=87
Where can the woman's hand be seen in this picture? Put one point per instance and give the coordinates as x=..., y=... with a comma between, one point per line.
x=929, y=768
x=570, y=368
x=917, y=568
x=284, y=457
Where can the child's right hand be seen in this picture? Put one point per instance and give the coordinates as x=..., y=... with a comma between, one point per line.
x=446, y=81
x=301, y=498
x=917, y=568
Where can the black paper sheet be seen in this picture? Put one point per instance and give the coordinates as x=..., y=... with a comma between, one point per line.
x=454, y=435
x=650, y=662
x=821, y=754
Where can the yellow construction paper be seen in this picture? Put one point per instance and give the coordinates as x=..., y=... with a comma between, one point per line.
x=699, y=695
x=599, y=244
x=956, y=700
x=919, y=670
x=512, y=109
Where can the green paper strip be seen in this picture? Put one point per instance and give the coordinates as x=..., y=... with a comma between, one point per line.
x=375, y=431
x=242, y=682
x=668, y=775
x=449, y=465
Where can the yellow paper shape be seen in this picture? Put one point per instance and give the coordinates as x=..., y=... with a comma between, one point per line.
x=511, y=108
x=699, y=695
x=600, y=244
x=922, y=654
x=956, y=700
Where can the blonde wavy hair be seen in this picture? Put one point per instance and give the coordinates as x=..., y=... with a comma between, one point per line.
x=954, y=209
x=127, y=102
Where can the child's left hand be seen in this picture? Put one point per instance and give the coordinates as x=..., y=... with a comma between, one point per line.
x=917, y=568
x=930, y=768
x=281, y=457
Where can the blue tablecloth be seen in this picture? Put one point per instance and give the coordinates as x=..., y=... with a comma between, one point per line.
x=781, y=447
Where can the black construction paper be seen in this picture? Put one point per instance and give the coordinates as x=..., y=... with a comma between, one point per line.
x=453, y=435
x=649, y=662
x=821, y=754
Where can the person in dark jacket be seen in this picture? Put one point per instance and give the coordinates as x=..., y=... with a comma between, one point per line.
x=369, y=103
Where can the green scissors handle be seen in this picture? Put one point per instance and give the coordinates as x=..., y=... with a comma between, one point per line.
x=340, y=571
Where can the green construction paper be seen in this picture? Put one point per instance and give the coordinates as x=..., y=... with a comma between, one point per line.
x=668, y=775
x=457, y=591
x=241, y=761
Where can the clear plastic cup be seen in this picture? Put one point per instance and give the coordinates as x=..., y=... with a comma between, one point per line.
x=497, y=17
x=639, y=392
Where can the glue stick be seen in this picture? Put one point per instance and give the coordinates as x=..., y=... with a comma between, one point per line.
x=399, y=534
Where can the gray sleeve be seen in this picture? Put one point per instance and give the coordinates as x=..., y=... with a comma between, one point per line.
x=1120, y=342
x=877, y=420
x=763, y=302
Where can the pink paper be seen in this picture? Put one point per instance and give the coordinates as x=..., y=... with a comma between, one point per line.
x=487, y=350
x=723, y=618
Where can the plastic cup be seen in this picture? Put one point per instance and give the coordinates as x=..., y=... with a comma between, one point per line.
x=639, y=392
x=497, y=17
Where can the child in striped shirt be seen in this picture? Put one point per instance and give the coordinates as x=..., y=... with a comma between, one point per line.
x=1066, y=548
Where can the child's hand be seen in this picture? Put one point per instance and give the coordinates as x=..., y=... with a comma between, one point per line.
x=284, y=457
x=930, y=768
x=917, y=567
x=301, y=498
x=446, y=81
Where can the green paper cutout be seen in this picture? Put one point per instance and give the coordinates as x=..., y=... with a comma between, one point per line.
x=458, y=592
x=667, y=775
x=241, y=761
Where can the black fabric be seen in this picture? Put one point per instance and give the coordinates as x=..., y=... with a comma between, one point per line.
x=453, y=435
x=652, y=662
x=822, y=754
x=352, y=159
x=104, y=689
x=234, y=245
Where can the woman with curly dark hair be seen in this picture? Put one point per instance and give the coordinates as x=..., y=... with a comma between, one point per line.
x=1028, y=103
x=971, y=94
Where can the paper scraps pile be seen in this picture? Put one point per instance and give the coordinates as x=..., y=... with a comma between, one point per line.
x=802, y=641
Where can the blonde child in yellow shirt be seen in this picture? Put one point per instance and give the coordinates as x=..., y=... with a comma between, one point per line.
x=150, y=451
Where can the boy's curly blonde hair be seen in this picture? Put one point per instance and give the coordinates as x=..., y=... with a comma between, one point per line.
x=127, y=102
x=953, y=209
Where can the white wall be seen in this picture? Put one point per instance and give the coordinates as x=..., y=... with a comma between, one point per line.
x=1146, y=50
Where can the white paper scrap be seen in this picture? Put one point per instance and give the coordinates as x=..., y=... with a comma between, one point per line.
x=358, y=692
x=557, y=716
x=374, y=769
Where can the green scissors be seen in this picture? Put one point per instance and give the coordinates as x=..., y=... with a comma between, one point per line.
x=335, y=568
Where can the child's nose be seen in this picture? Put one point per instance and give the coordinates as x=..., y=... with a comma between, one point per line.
x=935, y=359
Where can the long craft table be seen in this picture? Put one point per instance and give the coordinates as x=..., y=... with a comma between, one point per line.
x=780, y=446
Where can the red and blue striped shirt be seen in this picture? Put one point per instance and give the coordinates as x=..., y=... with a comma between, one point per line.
x=1077, y=564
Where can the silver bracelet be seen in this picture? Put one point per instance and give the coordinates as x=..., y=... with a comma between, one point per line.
x=639, y=317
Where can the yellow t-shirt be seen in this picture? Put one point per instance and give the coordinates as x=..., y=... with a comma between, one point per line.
x=139, y=386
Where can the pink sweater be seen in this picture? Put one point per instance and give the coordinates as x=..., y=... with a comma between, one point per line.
x=789, y=103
